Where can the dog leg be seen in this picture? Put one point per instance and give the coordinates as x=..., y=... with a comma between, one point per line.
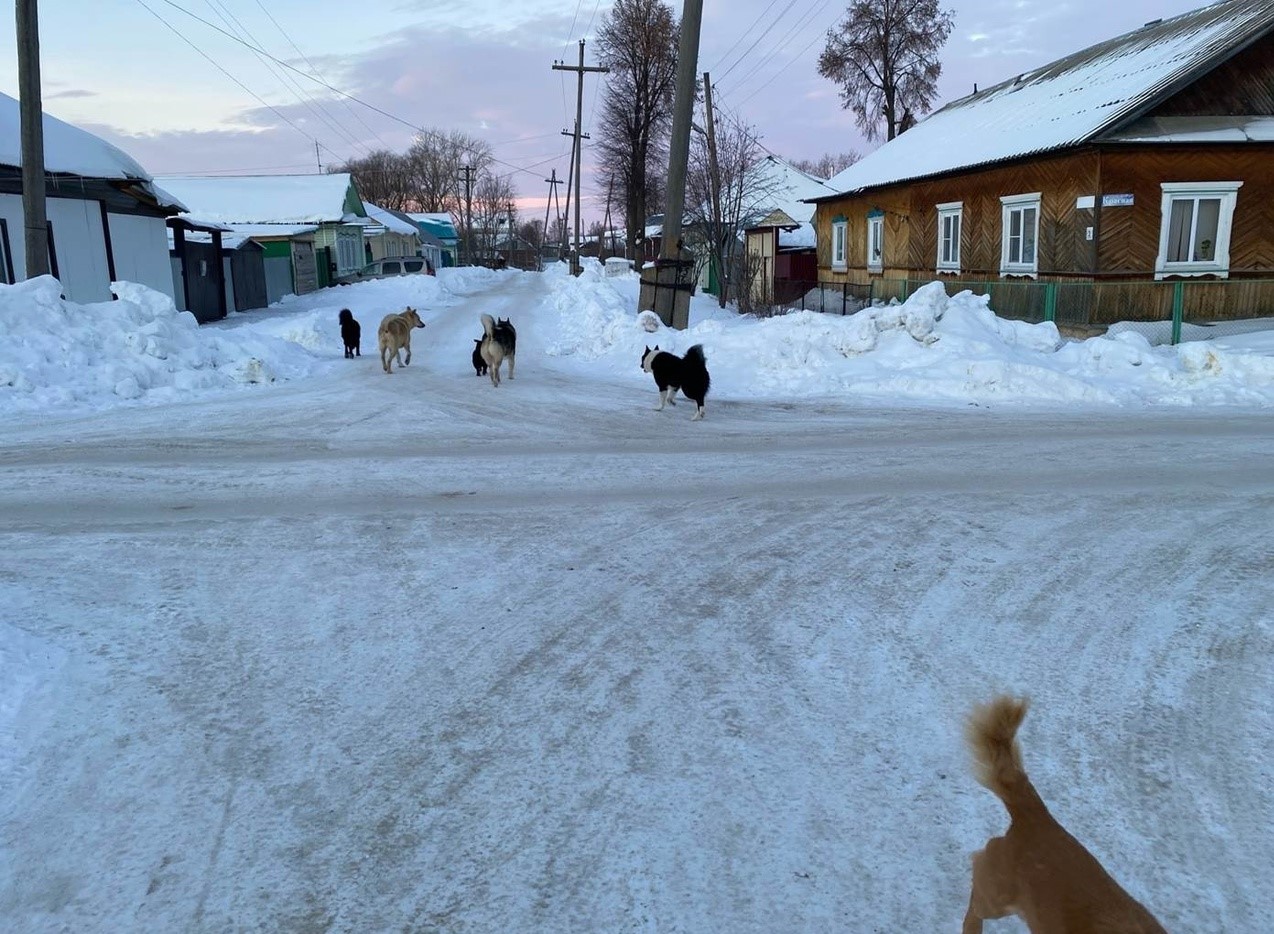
x=408, y=360
x=991, y=894
x=698, y=414
x=663, y=393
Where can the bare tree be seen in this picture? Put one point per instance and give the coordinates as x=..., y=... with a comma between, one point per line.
x=745, y=190
x=384, y=178
x=436, y=157
x=638, y=43
x=826, y=165
x=884, y=55
x=492, y=196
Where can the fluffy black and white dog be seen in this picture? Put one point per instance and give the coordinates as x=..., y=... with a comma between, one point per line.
x=479, y=365
x=688, y=373
x=499, y=343
x=351, y=333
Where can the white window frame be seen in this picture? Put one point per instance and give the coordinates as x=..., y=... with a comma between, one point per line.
x=1228, y=194
x=1019, y=204
x=840, y=245
x=876, y=236
x=947, y=210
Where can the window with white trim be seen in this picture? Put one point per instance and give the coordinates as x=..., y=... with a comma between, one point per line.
x=1194, y=232
x=1019, y=243
x=949, y=216
x=875, y=242
x=840, y=230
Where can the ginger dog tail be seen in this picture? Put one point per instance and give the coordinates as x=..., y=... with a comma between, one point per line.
x=991, y=732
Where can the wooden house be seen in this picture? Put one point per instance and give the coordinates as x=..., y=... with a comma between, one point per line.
x=106, y=216
x=1142, y=160
x=439, y=227
x=390, y=233
x=779, y=231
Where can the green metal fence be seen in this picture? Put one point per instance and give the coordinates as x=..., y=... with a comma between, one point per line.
x=1166, y=312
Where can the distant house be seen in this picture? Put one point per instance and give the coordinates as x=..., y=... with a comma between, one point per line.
x=313, y=222
x=781, y=250
x=390, y=233
x=441, y=227
x=1143, y=159
x=106, y=215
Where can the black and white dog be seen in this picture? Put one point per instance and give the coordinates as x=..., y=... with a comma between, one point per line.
x=351, y=333
x=499, y=342
x=479, y=365
x=688, y=373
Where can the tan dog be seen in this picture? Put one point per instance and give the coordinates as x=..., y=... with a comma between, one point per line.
x=395, y=335
x=499, y=343
x=1037, y=870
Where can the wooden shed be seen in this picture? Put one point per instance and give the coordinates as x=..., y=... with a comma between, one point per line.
x=1144, y=159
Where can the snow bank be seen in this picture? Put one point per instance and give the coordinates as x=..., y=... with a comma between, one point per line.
x=934, y=349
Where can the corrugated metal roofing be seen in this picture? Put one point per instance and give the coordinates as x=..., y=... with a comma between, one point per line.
x=1067, y=102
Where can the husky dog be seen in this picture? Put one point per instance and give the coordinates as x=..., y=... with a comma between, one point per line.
x=395, y=335
x=499, y=342
x=351, y=333
x=688, y=373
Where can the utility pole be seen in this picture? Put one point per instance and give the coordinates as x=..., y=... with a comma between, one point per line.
x=35, y=216
x=714, y=181
x=553, y=182
x=570, y=183
x=467, y=171
x=610, y=192
x=667, y=289
x=579, y=122
x=318, y=158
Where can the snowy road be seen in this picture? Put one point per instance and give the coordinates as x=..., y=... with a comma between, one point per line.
x=415, y=654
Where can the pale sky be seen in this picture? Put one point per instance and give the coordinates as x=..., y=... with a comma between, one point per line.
x=481, y=66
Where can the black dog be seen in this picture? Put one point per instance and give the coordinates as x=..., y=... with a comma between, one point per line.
x=351, y=333
x=688, y=373
x=479, y=365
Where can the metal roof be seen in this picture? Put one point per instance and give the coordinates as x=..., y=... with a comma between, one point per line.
x=1067, y=102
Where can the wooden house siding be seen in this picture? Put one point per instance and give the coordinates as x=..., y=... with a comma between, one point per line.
x=1130, y=235
x=911, y=220
x=1243, y=86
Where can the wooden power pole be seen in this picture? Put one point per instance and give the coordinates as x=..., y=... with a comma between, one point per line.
x=31, y=110
x=666, y=287
x=579, y=124
x=714, y=180
x=467, y=172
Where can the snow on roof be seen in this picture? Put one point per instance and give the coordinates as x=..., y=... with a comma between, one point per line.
x=783, y=187
x=1066, y=102
x=389, y=220
x=439, y=222
x=802, y=238
x=264, y=199
x=1197, y=130
x=70, y=150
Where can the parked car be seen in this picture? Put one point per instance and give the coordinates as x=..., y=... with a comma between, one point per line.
x=388, y=268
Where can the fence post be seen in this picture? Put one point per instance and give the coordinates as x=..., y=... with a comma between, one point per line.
x=1050, y=301
x=844, y=296
x=906, y=289
x=1178, y=306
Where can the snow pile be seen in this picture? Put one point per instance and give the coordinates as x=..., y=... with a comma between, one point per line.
x=934, y=349
x=58, y=353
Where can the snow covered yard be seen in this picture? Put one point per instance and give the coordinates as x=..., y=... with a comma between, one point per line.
x=288, y=644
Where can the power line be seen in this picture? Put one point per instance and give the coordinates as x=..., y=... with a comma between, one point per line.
x=233, y=22
x=737, y=42
x=754, y=44
x=384, y=113
x=313, y=68
x=251, y=92
x=794, y=30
